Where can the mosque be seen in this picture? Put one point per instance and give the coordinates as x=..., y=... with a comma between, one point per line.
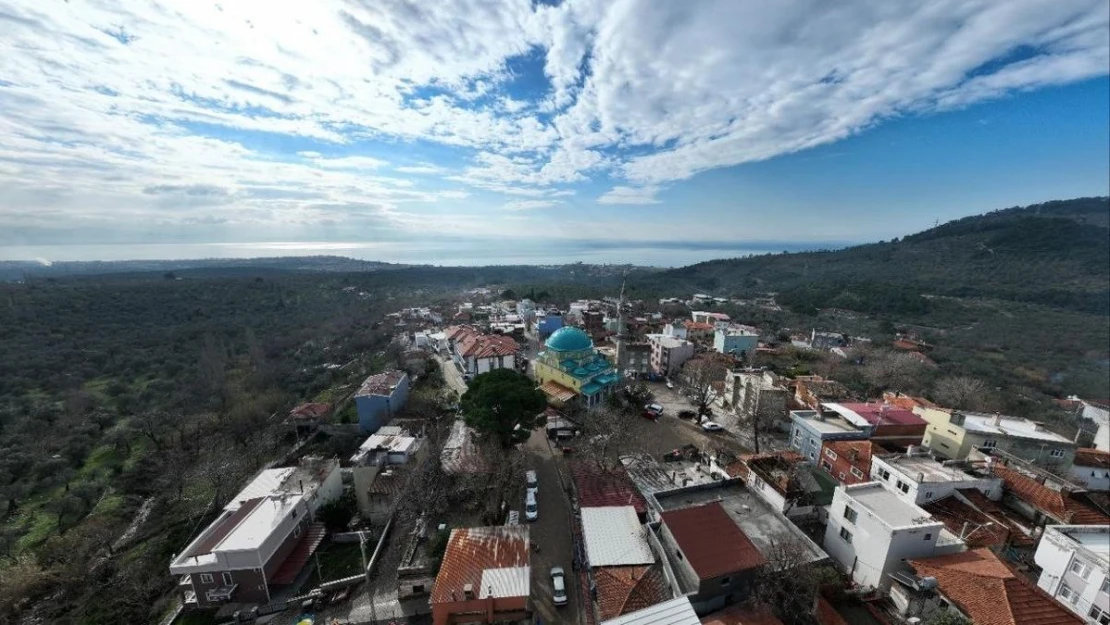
x=570, y=368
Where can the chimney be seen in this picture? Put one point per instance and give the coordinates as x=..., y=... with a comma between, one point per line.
x=468, y=591
x=997, y=420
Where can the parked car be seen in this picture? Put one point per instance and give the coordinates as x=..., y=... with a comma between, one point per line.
x=558, y=586
x=648, y=414
x=531, y=481
x=670, y=385
x=711, y=426
x=656, y=408
x=686, y=414
x=531, y=508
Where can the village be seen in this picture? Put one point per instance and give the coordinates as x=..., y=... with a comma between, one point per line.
x=665, y=479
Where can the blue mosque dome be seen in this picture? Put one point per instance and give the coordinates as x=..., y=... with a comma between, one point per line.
x=568, y=339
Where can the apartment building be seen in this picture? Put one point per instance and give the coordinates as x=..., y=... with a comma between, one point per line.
x=1075, y=568
x=953, y=434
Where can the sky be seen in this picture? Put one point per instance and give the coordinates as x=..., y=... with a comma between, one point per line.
x=475, y=131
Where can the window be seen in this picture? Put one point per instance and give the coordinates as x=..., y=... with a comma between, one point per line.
x=945, y=445
x=856, y=472
x=1080, y=568
x=883, y=473
x=297, y=531
x=928, y=536
x=1056, y=453
x=228, y=579
x=846, y=535
x=990, y=443
x=850, y=514
x=678, y=554
x=206, y=578
x=928, y=494
x=1105, y=585
x=826, y=466
x=1067, y=594
x=840, y=476
x=902, y=486
x=797, y=436
x=831, y=454
x=725, y=581
x=1099, y=616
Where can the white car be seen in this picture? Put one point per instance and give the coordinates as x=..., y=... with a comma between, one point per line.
x=712, y=426
x=656, y=408
x=531, y=508
x=558, y=586
x=531, y=482
x=670, y=385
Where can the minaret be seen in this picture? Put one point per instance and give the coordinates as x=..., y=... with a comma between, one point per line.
x=622, y=358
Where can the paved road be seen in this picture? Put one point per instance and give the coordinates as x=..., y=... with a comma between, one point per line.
x=552, y=532
x=735, y=438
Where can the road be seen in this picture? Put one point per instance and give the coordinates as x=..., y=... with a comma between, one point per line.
x=551, y=531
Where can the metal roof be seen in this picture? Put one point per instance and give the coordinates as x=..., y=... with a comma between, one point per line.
x=614, y=537
x=264, y=484
x=674, y=612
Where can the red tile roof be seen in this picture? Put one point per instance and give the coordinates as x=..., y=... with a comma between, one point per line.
x=957, y=516
x=990, y=593
x=310, y=411
x=557, y=391
x=875, y=413
x=471, y=551
x=1061, y=507
x=710, y=540
x=624, y=589
x=1092, y=458
x=456, y=333
x=740, y=615
x=487, y=346
x=597, y=488
x=697, y=325
x=980, y=501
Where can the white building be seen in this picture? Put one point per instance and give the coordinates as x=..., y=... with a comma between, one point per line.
x=668, y=353
x=918, y=478
x=1075, y=568
x=871, y=531
x=390, y=445
x=1099, y=412
x=1091, y=469
x=676, y=330
x=614, y=537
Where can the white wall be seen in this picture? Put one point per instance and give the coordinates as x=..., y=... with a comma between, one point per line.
x=1055, y=554
x=1102, y=437
x=922, y=493
x=876, y=548
x=1094, y=478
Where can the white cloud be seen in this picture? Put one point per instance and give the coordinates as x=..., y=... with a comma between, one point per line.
x=522, y=205
x=233, y=112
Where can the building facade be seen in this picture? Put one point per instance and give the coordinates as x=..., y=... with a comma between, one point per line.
x=1092, y=469
x=1075, y=568
x=809, y=429
x=739, y=343
x=755, y=389
x=918, y=479
x=953, y=434
x=669, y=353
x=379, y=398
x=570, y=369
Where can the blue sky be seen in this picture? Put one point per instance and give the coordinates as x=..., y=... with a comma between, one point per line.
x=574, y=125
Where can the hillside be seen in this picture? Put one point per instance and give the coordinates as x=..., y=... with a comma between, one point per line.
x=1056, y=254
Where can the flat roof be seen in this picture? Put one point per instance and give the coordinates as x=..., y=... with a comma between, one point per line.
x=614, y=537
x=1009, y=426
x=253, y=530
x=263, y=484
x=674, y=612
x=1095, y=538
x=926, y=469
x=826, y=424
x=887, y=506
x=751, y=514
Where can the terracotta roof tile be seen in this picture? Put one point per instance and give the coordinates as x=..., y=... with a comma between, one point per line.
x=980, y=501
x=472, y=551
x=740, y=615
x=990, y=593
x=557, y=391
x=957, y=516
x=1092, y=458
x=487, y=346
x=597, y=488
x=1061, y=507
x=624, y=589
x=710, y=540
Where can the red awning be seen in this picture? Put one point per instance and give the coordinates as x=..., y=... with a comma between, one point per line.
x=291, y=568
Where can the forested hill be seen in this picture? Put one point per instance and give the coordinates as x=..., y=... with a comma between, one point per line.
x=1056, y=254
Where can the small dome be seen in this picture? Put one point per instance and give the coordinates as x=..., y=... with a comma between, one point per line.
x=568, y=339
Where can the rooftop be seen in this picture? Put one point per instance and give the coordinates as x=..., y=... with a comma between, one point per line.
x=755, y=517
x=924, y=468
x=381, y=384
x=1092, y=458
x=674, y=612
x=487, y=346
x=977, y=528
x=460, y=453
x=668, y=342
x=825, y=423
x=614, y=537
x=738, y=614
x=1009, y=426
x=626, y=589
x=712, y=543
x=391, y=444
x=596, y=487
x=1093, y=538
x=990, y=593
x=569, y=339
x=875, y=413
x=493, y=561
x=886, y=506
x=652, y=477
x=1061, y=506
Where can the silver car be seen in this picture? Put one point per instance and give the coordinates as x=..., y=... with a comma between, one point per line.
x=558, y=585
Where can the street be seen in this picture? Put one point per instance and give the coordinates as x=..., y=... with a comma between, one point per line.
x=551, y=532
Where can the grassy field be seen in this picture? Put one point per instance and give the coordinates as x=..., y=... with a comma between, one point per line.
x=339, y=560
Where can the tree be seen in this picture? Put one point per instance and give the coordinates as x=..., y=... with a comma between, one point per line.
x=698, y=377
x=607, y=435
x=885, y=370
x=503, y=404
x=789, y=582
x=962, y=392
x=757, y=416
x=947, y=617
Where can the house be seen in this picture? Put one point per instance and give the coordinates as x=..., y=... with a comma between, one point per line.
x=918, y=479
x=978, y=586
x=460, y=454
x=1091, y=468
x=485, y=576
x=825, y=341
x=741, y=615
x=701, y=316
x=739, y=343
x=810, y=391
x=713, y=558
x=634, y=357
x=382, y=467
x=810, y=429
x=871, y=532
x=768, y=394
x=1098, y=412
x=622, y=563
x=482, y=353
x=625, y=590
x=785, y=481
x=309, y=415
x=1075, y=568
x=884, y=423
x=849, y=461
x=978, y=521
x=595, y=487
x=690, y=552
x=673, y=612
x=380, y=397
x=697, y=331
x=677, y=330
x=263, y=537
x=1043, y=505
x=547, y=322
x=669, y=353
x=953, y=434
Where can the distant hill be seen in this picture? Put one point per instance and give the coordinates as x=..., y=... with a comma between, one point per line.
x=1055, y=254
x=212, y=267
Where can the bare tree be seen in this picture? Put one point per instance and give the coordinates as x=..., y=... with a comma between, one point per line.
x=698, y=377
x=788, y=583
x=755, y=414
x=891, y=370
x=962, y=392
x=607, y=435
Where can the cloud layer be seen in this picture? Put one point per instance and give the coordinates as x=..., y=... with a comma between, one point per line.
x=261, y=119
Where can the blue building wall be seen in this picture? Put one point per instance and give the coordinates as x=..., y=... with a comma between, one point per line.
x=807, y=440
x=374, y=411
x=549, y=324
x=735, y=343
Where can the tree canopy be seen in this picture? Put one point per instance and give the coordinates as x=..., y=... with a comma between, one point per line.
x=503, y=404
